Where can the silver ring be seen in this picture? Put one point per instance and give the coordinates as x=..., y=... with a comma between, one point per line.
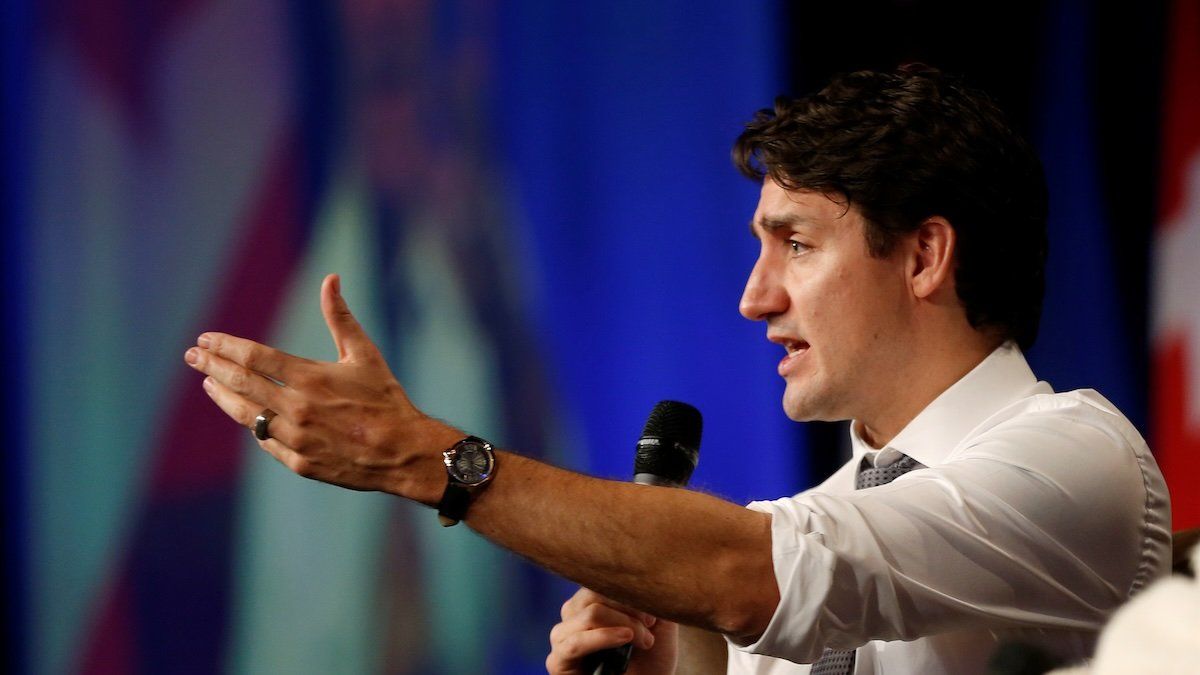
x=261, y=424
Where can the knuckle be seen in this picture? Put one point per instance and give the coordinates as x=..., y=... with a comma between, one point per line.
x=300, y=378
x=302, y=415
x=598, y=616
x=573, y=646
x=264, y=358
x=251, y=359
x=300, y=442
x=241, y=412
x=238, y=379
x=582, y=598
x=589, y=615
x=393, y=389
x=300, y=466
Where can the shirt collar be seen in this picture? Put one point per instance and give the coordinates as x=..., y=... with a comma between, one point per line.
x=1000, y=379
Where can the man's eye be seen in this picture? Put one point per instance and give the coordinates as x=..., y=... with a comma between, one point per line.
x=797, y=246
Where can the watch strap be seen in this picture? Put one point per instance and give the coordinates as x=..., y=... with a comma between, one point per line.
x=455, y=500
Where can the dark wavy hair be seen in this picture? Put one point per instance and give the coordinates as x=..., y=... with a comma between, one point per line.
x=910, y=144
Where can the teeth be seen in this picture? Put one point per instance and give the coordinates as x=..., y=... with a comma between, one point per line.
x=791, y=346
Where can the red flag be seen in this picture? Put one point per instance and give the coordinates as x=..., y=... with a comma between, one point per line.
x=1176, y=339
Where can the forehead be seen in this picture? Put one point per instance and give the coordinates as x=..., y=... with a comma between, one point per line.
x=778, y=208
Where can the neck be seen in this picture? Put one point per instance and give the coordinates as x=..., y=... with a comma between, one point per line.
x=924, y=374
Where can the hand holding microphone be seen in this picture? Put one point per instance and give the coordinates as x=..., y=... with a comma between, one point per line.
x=666, y=455
x=593, y=624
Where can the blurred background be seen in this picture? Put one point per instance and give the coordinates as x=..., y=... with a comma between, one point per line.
x=534, y=213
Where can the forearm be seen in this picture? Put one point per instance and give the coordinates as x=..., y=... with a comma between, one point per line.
x=677, y=554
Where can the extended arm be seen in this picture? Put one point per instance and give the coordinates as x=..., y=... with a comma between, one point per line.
x=676, y=554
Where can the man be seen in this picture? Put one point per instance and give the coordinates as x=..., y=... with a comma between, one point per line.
x=901, y=228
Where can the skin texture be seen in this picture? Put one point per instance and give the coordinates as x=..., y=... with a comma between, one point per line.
x=881, y=338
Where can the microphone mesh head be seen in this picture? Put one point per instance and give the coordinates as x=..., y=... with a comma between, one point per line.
x=677, y=421
x=670, y=443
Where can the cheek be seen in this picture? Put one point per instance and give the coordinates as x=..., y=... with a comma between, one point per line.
x=832, y=302
x=853, y=318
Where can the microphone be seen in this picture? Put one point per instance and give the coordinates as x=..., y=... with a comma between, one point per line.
x=666, y=455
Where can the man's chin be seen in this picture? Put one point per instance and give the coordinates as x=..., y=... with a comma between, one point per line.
x=799, y=409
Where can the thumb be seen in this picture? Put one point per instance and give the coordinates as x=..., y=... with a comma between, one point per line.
x=348, y=335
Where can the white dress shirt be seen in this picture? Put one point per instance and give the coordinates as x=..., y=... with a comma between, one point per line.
x=1034, y=516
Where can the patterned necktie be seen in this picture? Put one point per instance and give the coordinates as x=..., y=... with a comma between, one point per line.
x=841, y=661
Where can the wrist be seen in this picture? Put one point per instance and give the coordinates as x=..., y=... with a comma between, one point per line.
x=423, y=476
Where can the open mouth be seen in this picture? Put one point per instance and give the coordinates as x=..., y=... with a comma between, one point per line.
x=794, y=347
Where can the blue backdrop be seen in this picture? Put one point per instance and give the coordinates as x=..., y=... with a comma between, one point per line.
x=534, y=211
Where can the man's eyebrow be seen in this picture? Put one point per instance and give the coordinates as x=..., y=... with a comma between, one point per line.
x=773, y=223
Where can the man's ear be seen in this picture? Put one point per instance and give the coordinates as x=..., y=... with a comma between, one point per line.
x=933, y=257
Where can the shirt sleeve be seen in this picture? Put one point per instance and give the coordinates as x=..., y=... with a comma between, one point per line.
x=1038, y=523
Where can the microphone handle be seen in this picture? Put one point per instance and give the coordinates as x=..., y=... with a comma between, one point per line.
x=612, y=661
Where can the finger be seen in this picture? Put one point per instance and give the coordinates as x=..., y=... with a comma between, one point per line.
x=349, y=337
x=289, y=457
x=602, y=616
x=565, y=656
x=244, y=411
x=273, y=363
x=585, y=597
x=246, y=383
x=286, y=456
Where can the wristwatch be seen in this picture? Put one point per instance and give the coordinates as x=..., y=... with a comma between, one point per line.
x=470, y=465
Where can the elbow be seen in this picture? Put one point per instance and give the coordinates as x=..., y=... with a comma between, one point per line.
x=746, y=618
x=750, y=593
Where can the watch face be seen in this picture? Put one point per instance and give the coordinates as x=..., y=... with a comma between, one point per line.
x=472, y=463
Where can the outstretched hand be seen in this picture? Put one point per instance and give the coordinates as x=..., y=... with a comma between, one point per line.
x=348, y=422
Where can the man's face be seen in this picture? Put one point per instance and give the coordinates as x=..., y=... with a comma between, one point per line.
x=840, y=313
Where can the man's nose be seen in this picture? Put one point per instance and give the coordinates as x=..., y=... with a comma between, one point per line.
x=764, y=296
